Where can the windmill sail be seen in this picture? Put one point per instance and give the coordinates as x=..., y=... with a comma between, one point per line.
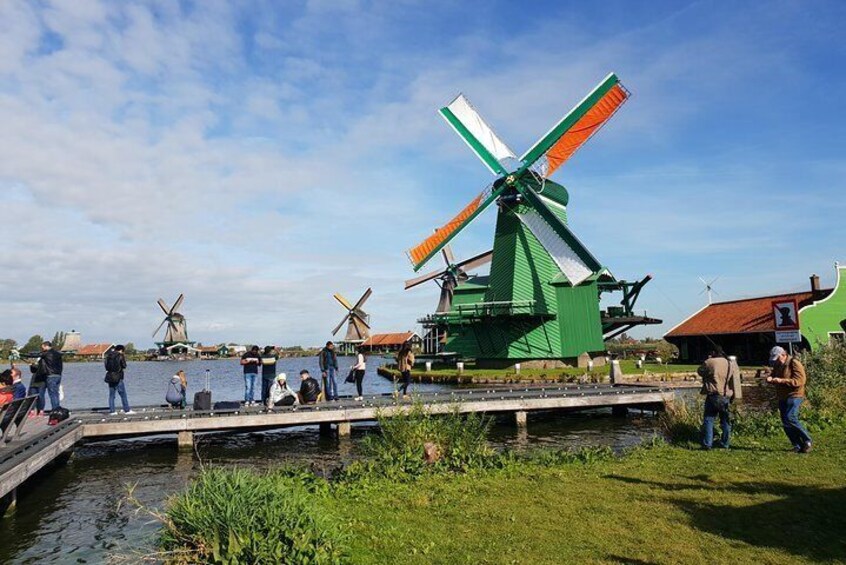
x=574, y=129
x=477, y=134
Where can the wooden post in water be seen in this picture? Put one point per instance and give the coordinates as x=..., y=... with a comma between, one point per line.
x=185, y=440
x=344, y=429
x=520, y=418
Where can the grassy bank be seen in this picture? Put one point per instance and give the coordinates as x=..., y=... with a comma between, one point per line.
x=431, y=490
x=754, y=504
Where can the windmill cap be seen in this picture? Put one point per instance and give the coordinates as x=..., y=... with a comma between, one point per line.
x=776, y=352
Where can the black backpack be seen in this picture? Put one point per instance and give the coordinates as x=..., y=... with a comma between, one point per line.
x=58, y=415
x=113, y=363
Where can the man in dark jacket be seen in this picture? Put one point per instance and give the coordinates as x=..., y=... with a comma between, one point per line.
x=328, y=359
x=309, y=389
x=268, y=372
x=115, y=362
x=49, y=371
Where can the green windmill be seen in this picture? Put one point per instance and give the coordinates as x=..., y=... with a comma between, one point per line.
x=541, y=300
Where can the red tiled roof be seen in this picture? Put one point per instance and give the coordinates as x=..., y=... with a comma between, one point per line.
x=750, y=315
x=94, y=349
x=387, y=339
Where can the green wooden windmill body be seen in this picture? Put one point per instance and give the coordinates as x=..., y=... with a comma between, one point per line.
x=541, y=299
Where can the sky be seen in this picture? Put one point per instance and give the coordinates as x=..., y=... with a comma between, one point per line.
x=259, y=156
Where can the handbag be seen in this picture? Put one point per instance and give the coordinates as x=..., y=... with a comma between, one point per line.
x=112, y=378
x=351, y=377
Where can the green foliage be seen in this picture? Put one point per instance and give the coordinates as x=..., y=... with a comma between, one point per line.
x=33, y=344
x=58, y=340
x=130, y=348
x=826, y=372
x=398, y=452
x=240, y=516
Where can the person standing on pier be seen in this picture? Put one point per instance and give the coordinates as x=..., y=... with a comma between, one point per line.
x=718, y=388
x=359, y=369
x=405, y=361
x=788, y=376
x=268, y=371
x=250, y=361
x=115, y=364
x=48, y=370
x=328, y=360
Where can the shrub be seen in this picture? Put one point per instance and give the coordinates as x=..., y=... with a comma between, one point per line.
x=398, y=452
x=239, y=516
x=826, y=372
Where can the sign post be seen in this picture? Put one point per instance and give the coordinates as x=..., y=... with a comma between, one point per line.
x=786, y=322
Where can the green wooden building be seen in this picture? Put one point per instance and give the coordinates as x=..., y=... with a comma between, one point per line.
x=824, y=320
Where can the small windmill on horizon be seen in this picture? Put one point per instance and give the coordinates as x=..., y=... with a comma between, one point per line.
x=176, y=333
x=357, y=320
x=709, y=288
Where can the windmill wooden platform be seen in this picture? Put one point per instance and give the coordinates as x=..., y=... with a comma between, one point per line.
x=40, y=445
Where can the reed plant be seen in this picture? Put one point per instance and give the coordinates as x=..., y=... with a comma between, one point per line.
x=240, y=516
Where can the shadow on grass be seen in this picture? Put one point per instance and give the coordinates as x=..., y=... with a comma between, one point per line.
x=805, y=521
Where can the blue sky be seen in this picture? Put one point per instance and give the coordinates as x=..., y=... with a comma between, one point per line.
x=260, y=156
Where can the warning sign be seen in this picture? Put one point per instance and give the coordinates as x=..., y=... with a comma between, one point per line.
x=785, y=315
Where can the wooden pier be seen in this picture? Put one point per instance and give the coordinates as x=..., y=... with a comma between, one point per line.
x=39, y=445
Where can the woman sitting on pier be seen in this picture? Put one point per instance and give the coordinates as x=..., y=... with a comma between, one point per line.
x=176, y=390
x=280, y=393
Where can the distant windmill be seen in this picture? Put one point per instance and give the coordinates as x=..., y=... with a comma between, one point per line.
x=709, y=287
x=177, y=329
x=451, y=276
x=358, y=326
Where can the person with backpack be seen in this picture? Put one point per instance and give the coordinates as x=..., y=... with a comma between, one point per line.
x=788, y=376
x=328, y=360
x=47, y=372
x=177, y=390
x=115, y=363
x=718, y=388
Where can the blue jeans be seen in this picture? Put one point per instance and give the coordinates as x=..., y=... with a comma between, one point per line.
x=796, y=432
x=120, y=388
x=53, y=382
x=266, y=384
x=40, y=389
x=249, y=387
x=716, y=405
x=330, y=384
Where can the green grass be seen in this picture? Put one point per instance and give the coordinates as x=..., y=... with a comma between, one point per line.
x=757, y=503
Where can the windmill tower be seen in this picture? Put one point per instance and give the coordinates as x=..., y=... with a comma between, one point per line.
x=541, y=300
x=448, y=279
x=176, y=333
x=357, y=320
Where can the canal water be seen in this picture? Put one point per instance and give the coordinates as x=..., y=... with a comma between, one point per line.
x=77, y=512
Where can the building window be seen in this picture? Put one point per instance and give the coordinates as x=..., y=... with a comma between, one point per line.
x=837, y=337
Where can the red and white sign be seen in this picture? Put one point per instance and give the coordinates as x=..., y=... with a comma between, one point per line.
x=785, y=315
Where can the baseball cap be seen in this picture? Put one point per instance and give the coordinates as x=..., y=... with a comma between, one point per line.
x=775, y=352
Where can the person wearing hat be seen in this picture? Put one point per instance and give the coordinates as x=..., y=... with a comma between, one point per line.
x=280, y=393
x=788, y=376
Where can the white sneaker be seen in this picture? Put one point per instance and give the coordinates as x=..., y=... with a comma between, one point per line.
x=358, y=398
x=130, y=412
x=112, y=413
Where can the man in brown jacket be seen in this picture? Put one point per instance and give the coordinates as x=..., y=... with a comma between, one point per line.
x=718, y=388
x=788, y=376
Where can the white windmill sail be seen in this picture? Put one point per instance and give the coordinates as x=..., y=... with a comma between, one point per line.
x=564, y=256
x=477, y=134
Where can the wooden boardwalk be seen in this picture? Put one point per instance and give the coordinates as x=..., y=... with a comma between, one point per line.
x=40, y=444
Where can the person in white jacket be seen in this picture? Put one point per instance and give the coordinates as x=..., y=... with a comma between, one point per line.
x=358, y=372
x=280, y=393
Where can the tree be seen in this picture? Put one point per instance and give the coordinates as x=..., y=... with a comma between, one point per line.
x=7, y=345
x=58, y=341
x=33, y=344
x=130, y=348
